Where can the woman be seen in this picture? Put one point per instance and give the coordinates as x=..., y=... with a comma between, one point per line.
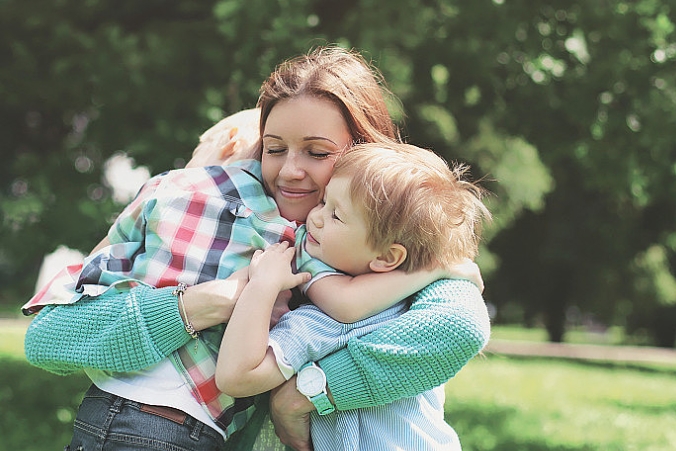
x=333, y=99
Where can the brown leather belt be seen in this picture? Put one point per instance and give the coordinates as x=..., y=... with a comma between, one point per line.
x=175, y=415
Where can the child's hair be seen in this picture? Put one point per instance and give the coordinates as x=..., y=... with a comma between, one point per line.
x=340, y=76
x=411, y=196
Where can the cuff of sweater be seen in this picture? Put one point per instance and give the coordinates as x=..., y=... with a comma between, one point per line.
x=347, y=385
x=159, y=307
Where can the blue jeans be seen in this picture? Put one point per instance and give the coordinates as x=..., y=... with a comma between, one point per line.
x=106, y=422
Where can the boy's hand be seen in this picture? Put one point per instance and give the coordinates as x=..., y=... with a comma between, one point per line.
x=273, y=267
x=467, y=270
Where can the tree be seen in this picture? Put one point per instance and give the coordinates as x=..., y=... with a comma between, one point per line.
x=564, y=110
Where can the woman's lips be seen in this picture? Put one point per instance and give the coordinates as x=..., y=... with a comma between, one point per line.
x=294, y=193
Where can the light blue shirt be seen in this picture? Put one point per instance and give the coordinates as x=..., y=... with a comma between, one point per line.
x=417, y=423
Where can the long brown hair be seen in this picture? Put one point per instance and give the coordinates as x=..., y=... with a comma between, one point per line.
x=341, y=76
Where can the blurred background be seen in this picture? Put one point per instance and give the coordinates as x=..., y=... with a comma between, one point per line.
x=565, y=110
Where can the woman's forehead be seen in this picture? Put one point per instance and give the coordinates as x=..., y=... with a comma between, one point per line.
x=306, y=117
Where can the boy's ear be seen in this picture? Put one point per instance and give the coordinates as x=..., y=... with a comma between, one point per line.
x=389, y=260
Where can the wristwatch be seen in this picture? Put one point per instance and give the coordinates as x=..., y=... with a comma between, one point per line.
x=311, y=381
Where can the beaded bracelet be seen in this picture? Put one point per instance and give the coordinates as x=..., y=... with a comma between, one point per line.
x=178, y=292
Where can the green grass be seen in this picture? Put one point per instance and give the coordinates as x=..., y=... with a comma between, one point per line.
x=499, y=403
x=38, y=408
x=494, y=403
x=612, y=336
x=11, y=338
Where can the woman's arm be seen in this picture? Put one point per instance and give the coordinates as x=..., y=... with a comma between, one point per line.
x=125, y=330
x=116, y=331
x=447, y=325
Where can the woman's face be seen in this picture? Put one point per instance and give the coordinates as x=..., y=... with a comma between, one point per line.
x=301, y=140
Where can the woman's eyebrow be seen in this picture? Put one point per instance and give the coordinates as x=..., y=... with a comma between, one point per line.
x=320, y=138
x=269, y=135
x=306, y=138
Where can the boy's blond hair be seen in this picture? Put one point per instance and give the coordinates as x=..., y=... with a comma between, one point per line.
x=411, y=196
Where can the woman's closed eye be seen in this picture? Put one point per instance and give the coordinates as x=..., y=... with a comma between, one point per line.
x=273, y=150
x=319, y=154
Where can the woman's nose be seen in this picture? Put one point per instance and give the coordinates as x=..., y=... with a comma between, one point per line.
x=292, y=167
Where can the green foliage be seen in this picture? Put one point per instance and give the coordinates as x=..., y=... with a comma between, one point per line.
x=567, y=106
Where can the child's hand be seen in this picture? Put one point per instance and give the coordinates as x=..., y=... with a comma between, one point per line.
x=273, y=267
x=467, y=270
x=233, y=138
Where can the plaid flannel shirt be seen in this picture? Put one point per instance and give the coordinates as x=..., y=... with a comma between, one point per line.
x=190, y=226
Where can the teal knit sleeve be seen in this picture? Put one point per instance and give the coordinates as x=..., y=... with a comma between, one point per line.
x=446, y=326
x=116, y=331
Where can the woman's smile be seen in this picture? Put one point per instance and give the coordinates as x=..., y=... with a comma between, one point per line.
x=295, y=193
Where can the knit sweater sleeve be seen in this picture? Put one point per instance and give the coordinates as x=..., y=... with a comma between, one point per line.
x=446, y=326
x=116, y=331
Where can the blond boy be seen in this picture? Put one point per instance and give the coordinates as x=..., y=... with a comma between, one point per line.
x=389, y=209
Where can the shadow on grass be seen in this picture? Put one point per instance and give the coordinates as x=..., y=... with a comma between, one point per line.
x=490, y=428
x=648, y=368
x=38, y=408
x=666, y=409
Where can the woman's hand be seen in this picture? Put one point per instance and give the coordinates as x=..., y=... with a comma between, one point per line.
x=290, y=413
x=210, y=303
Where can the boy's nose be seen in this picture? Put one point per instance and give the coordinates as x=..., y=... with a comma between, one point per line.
x=316, y=218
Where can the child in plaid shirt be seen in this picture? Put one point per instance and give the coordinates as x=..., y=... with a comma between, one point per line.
x=388, y=208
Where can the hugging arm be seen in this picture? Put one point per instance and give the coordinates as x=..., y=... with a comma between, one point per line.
x=349, y=299
x=116, y=331
x=446, y=326
x=125, y=330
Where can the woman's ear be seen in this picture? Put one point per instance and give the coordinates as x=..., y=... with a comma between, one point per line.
x=389, y=260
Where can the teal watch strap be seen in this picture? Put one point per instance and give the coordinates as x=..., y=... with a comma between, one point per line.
x=323, y=404
x=311, y=382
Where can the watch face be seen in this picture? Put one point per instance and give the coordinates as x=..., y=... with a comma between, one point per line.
x=311, y=381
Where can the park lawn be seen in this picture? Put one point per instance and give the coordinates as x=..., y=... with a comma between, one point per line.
x=610, y=336
x=11, y=338
x=524, y=404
